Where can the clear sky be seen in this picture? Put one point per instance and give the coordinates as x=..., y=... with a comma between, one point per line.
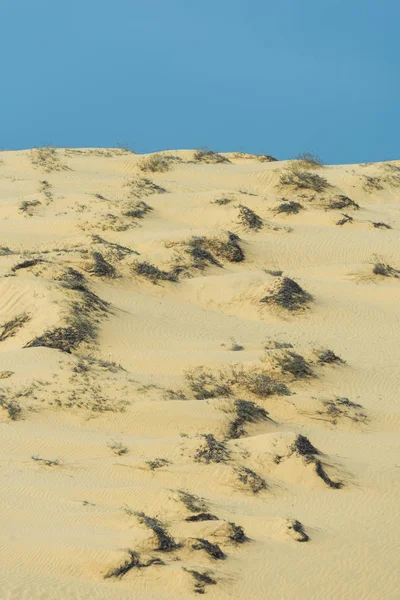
x=264, y=76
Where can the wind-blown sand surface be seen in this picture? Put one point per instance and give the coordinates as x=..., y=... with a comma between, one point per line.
x=113, y=372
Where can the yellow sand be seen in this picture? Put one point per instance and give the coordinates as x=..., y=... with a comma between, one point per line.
x=64, y=526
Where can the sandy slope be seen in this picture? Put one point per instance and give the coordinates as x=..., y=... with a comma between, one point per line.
x=122, y=384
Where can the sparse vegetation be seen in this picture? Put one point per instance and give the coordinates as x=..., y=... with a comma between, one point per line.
x=193, y=503
x=26, y=264
x=139, y=210
x=212, y=450
x=156, y=163
x=166, y=542
x=201, y=517
x=289, y=295
x=141, y=186
x=297, y=530
x=380, y=225
x=385, y=270
x=208, y=156
x=118, y=447
x=46, y=461
x=223, y=201
x=372, y=184
x=249, y=219
x=294, y=364
x=342, y=408
x=204, y=384
x=303, y=180
x=303, y=447
x=157, y=463
x=47, y=158
x=328, y=357
x=201, y=580
x=12, y=407
x=237, y=534
x=340, y=202
x=133, y=561
x=251, y=480
x=234, y=346
x=152, y=273
x=345, y=219
x=245, y=412
x=212, y=550
x=28, y=206
x=309, y=160
x=289, y=207
x=258, y=383
x=205, y=251
x=11, y=327
x=102, y=268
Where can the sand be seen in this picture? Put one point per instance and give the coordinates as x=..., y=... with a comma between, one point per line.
x=113, y=372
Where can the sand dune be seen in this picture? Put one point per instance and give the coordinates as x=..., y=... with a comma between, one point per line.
x=199, y=376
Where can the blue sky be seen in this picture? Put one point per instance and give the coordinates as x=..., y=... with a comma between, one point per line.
x=276, y=77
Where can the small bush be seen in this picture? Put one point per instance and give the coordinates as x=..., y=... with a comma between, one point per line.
x=157, y=463
x=372, y=184
x=320, y=471
x=274, y=273
x=26, y=264
x=385, y=270
x=212, y=550
x=340, y=202
x=208, y=156
x=251, y=479
x=234, y=346
x=118, y=448
x=102, y=268
x=152, y=273
x=205, y=385
x=10, y=328
x=308, y=160
x=345, y=219
x=237, y=534
x=290, y=208
x=193, y=503
x=342, y=408
x=259, y=384
x=328, y=357
x=248, y=218
x=141, y=186
x=132, y=562
x=289, y=295
x=212, y=450
x=47, y=158
x=298, y=530
x=201, y=580
x=47, y=461
x=27, y=206
x=380, y=225
x=154, y=163
x=304, y=447
x=246, y=412
x=139, y=211
x=68, y=338
x=201, y=517
x=295, y=364
x=304, y=180
x=12, y=407
x=222, y=201
x=166, y=543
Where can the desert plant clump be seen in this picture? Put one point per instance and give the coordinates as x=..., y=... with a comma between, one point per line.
x=385, y=270
x=304, y=447
x=102, y=268
x=320, y=471
x=289, y=295
x=212, y=450
x=237, y=534
x=152, y=273
x=289, y=208
x=12, y=407
x=166, y=542
x=10, y=328
x=222, y=201
x=47, y=159
x=210, y=157
x=294, y=364
x=205, y=251
x=201, y=580
x=156, y=163
x=245, y=412
x=212, y=550
x=133, y=561
x=201, y=517
x=200, y=256
x=235, y=347
x=139, y=210
x=296, y=529
x=193, y=503
x=26, y=264
x=329, y=357
x=67, y=338
x=274, y=272
x=48, y=462
x=345, y=219
x=249, y=219
x=205, y=384
x=118, y=447
x=309, y=160
x=157, y=463
x=372, y=184
x=380, y=225
x=27, y=206
x=250, y=479
x=303, y=180
x=342, y=408
x=259, y=384
x=141, y=186
x=340, y=202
